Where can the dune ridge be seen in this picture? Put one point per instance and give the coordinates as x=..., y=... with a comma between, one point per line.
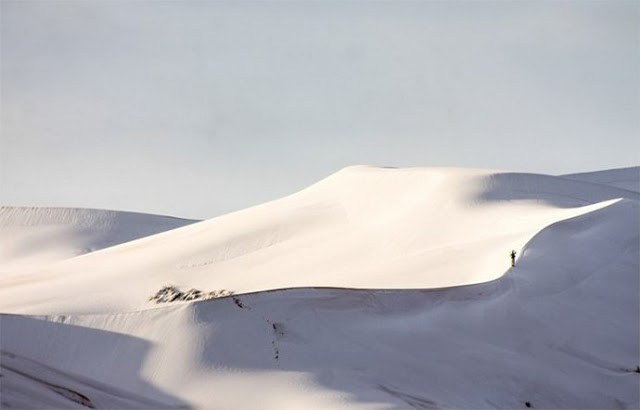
x=424, y=312
x=32, y=236
x=431, y=227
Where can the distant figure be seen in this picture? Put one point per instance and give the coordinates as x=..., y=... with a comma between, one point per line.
x=513, y=258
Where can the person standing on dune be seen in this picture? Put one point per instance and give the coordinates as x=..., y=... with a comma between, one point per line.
x=513, y=258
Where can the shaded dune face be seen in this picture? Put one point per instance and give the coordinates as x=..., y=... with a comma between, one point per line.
x=32, y=236
x=424, y=310
x=624, y=178
x=362, y=227
x=559, y=331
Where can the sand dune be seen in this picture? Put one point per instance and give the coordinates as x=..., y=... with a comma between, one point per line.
x=36, y=236
x=362, y=227
x=625, y=178
x=560, y=330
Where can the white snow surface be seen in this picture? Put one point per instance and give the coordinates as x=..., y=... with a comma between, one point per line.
x=625, y=178
x=374, y=288
x=31, y=236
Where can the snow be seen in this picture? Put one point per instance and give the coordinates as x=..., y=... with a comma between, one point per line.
x=423, y=309
x=625, y=178
x=35, y=236
x=362, y=227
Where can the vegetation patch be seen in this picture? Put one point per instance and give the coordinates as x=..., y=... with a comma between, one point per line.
x=168, y=294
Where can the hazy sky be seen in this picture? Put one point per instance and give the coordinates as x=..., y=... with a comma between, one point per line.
x=199, y=108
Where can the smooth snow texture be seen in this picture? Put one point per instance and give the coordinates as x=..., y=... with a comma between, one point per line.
x=37, y=236
x=362, y=227
x=560, y=330
x=625, y=178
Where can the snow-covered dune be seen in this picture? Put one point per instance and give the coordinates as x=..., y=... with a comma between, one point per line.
x=362, y=227
x=398, y=330
x=625, y=178
x=35, y=236
x=559, y=331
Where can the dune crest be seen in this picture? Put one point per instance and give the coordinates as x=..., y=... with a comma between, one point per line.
x=362, y=227
x=36, y=236
x=242, y=308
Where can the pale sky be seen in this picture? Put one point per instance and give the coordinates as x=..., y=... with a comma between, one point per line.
x=199, y=108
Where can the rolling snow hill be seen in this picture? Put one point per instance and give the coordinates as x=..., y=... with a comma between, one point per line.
x=362, y=227
x=37, y=236
x=625, y=178
x=424, y=311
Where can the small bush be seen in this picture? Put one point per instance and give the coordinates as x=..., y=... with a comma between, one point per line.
x=168, y=294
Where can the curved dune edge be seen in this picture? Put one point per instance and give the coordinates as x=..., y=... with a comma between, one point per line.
x=363, y=227
x=558, y=331
x=542, y=326
x=38, y=236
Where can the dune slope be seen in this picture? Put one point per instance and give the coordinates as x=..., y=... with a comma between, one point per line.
x=37, y=236
x=425, y=311
x=559, y=331
x=625, y=178
x=362, y=227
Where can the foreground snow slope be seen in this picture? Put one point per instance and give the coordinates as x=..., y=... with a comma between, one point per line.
x=37, y=236
x=362, y=227
x=558, y=331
